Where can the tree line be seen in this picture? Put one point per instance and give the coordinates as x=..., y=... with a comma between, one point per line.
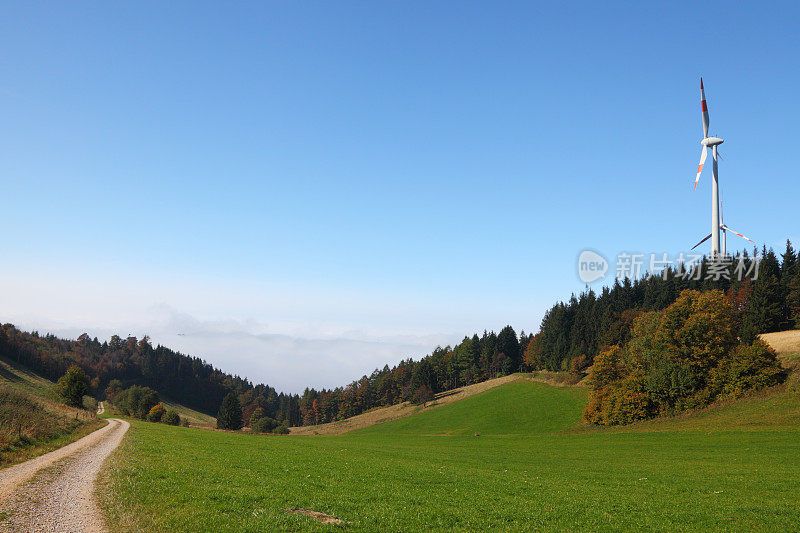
x=572, y=332
x=570, y=335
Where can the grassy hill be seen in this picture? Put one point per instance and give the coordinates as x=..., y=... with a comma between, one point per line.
x=195, y=418
x=381, y=415
x=521, y=407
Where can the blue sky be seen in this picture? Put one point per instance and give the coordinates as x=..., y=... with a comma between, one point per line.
x=310, y=190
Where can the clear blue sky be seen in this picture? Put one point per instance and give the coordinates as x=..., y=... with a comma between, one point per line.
x=334, y=185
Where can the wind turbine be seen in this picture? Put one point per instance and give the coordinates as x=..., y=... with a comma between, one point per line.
x=716, y=218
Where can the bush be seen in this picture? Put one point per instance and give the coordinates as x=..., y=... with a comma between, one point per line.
x=156, y=413
x=270, y=425
x=171, y=417
x=750, y=367
x=136, y=401
x=684, y=357
x=89, y=403
x=669, y=384
x=73, y=386
x=185, y=422
x=264, y=425
x=230, y=413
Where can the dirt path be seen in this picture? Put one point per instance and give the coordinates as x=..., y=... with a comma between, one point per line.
x=101, y=408
x=53, y=492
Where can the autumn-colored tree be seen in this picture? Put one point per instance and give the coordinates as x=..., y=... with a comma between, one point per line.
x=699, y=328
x=423, y=394
x=257, y=415
x=156, y=413
x=749, y=367
x=684, y=357
x=532, y=356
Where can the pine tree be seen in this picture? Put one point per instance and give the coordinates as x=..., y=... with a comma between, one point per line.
x=230, y=413
x=508, y=344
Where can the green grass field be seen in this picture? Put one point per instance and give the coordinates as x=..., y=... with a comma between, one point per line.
x=534, y=466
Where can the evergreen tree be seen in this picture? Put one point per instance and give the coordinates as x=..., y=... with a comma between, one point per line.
x=230, y=413
x=508, y=344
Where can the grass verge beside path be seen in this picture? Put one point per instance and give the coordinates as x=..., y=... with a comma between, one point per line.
x=32, y=422
x=31, y=426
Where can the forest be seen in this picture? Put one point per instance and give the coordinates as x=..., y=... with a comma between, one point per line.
x=571, y=334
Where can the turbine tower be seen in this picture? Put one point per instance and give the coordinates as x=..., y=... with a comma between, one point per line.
x=717, y=224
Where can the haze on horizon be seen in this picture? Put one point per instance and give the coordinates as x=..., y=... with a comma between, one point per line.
x=302, y=193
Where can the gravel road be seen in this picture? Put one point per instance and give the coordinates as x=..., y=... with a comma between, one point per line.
x=53, y=492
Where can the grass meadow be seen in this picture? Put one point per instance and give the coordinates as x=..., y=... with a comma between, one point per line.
x=534, y=466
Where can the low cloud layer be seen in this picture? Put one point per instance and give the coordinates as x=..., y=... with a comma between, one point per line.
x=247, y=348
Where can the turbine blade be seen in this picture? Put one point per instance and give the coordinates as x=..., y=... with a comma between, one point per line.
x=704, y=108
x=703, y=156
x=701, y=242
x=726, y=228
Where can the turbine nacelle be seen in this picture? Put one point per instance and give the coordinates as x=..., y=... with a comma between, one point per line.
x=711, y=141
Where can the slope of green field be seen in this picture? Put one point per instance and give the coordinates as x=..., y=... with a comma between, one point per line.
x=677, y=474
x=196, y=418
x=517, y=408
x=23, y=379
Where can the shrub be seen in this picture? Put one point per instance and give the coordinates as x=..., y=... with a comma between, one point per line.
x=750, y=367
x=136, y=401
x=668, y=384
x=699, y=328
x=185, y=422
x=171, y=417
x=281, y=430
x=264, y=425
x=89, y=403
x=156, y=413
x=230, y=413
x=684, y=357
x=73, y=386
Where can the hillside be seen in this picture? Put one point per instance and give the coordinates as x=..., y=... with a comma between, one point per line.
x=787, y=344
x=23, y=379
x=519, y=407
x=31, y=421
x=195, y=418
x=393, y=412
x=515, y=410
